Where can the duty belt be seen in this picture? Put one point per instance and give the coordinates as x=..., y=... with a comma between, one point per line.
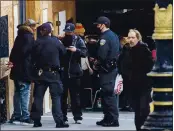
x=49, y=69
x=109, y=65
x=55, y=69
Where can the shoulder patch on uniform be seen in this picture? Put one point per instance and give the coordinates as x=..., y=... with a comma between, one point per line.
x=102, y=42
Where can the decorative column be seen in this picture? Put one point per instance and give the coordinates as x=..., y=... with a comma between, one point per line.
x=161, y=119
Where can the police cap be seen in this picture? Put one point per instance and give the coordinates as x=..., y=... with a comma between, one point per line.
x=103, y=20
x=46, y=26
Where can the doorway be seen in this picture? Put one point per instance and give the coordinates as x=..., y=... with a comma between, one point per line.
x=62, y=20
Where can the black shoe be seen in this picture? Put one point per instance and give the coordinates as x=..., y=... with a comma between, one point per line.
x=111, y=124
x=99, y=123
x=130, y=109
x=78, y=120
x=27, y=121
x=37, y=124
x=65, y=118
x=15, y=120
x=124, y=109
x=62, y=125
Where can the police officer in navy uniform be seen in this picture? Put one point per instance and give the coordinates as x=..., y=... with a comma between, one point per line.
x=108, y=50
x=46, y=64
x=55, y=37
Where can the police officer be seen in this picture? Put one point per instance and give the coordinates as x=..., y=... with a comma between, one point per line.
x=45, y=58
x=72, y=71
x=52, y=28
x=55, y=37
x=108, y=50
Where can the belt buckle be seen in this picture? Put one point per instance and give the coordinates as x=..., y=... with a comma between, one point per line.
x=40, y=72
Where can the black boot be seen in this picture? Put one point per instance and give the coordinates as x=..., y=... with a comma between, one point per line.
x=62, y=124
x=111, y=123
x=99, y=123
x=130, y=109
x=37, y=123
x=65, y=118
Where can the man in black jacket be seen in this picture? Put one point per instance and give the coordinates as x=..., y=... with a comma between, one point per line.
x=72, y=71
x=134, y=63
x=20, y=59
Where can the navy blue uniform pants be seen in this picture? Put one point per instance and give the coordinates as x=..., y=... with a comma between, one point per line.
x=56, y=90
x=109, y=100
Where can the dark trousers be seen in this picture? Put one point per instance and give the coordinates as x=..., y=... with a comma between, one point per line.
x=73, y=84
x=85, y=95
x=141, y=107
x=124, y=100
x=109, y=100
x=56, y=90
x=139, y=98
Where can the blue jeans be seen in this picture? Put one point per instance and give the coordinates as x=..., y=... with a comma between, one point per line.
x=21, y=100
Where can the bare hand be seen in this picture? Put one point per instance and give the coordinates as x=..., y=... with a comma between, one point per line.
x=61, y=36
x=72, y=49
x=91, y=59
x=90, y=71
x=94, y=67
x=9, y=64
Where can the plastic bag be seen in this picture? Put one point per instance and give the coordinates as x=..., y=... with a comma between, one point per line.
x=118, y=84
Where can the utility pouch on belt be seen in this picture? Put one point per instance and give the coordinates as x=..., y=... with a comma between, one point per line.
x=108, y=65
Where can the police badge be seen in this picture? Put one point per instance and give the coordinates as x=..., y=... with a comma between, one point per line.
x=102, y=42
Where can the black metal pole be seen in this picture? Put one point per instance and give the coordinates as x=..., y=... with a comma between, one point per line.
x=161, y=119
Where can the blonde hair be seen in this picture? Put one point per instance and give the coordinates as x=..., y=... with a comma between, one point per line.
x=138, y=34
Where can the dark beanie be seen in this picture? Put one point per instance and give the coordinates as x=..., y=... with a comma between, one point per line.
x=46, y=26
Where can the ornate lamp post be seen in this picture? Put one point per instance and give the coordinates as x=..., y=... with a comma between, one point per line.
x=161, y=119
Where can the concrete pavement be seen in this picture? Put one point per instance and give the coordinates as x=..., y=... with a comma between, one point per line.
x=126, y=123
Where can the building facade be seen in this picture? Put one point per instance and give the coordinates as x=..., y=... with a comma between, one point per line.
x=13, y=13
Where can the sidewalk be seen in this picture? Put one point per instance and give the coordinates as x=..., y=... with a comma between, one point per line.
x=89, y=119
